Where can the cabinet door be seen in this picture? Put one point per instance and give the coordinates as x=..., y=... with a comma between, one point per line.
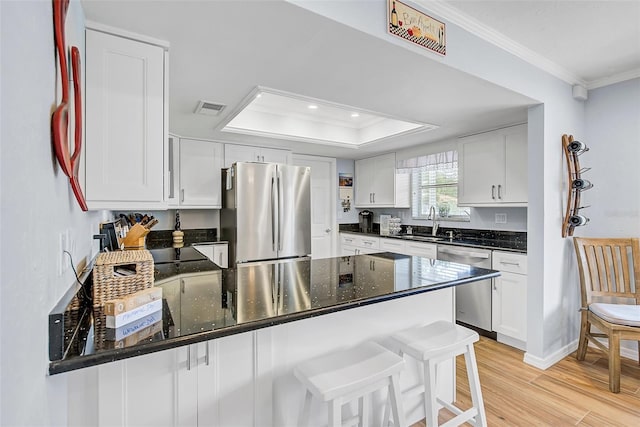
x=172, y=174
x=384, y=180
x=363, y=183
x=124, y=391
x=509, y=312
x=426, y=250
x=221, y=255
x=347, y=250
x=272, y=155
x=206, y=250
x=200, y=165
x=481, y=168
x=200, y=301
x=373, y=268
x=368, y=245
x=393, y=245
x=239, y=153
x=171, y=293
x=124, y=122
x=516, y=158
x=375, y=181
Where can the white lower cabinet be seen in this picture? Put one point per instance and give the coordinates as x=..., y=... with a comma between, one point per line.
x=421, y=249
x=218, y=253
x=247, y=379
x=393, y=245
x=354, y=244
x=509, y=305
x=219, y=383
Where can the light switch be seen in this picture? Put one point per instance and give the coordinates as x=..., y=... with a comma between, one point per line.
x=501, y=218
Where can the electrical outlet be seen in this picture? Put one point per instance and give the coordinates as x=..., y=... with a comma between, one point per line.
x=71, y=247
x=63, y=238
x=501, y=218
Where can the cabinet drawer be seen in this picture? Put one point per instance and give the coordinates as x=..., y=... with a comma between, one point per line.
x=510, y=262
x=393, y=245
x=348, y=239
x=368, y=242
x=427, y=250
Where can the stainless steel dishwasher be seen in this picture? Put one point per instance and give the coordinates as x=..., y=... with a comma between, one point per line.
x=473, y=300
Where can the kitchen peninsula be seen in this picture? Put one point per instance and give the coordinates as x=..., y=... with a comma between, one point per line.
x=236, y=352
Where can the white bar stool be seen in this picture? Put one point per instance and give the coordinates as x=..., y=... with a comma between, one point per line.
x=432, y=344
x=345, y=375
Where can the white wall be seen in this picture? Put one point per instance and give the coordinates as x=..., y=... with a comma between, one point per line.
x=613, y=137
x=36, y=205
x=481, y=219
x=552, y=296
x=350, y=217
x=189, y=219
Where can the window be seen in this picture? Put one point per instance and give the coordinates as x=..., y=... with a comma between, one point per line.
x=435, y=184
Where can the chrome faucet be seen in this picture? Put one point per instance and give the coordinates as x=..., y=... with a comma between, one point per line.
x=432, y=215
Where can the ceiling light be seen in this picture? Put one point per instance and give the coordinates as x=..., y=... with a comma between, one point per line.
x=284, y=115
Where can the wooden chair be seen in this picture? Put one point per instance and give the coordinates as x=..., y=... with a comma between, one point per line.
x=610, y=286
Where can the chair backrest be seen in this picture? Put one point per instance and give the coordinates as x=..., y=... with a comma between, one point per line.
x=609, y=270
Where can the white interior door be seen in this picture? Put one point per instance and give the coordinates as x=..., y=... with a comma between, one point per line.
x=323, y=204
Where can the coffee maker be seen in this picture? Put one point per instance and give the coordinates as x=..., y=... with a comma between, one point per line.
x=366, y=221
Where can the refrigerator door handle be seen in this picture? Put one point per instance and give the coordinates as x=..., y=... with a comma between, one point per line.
x=273, y=215
x=280, y=209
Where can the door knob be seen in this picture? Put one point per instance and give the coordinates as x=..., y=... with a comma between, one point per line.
x=328, y=230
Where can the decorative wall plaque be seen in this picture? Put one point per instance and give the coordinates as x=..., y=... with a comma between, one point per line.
x=412, y=25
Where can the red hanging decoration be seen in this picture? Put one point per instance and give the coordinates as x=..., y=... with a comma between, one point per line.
x=69, y=164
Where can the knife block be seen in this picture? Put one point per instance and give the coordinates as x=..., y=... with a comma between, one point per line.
x=135, y=238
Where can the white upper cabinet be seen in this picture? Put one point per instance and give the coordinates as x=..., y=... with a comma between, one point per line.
x=125, y=122
x=246, y=153
x=375, y=181
x=195, y=173
x=493, y=168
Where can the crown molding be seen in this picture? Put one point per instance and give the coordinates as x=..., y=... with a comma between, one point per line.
x=617, y=78
x=457, y=17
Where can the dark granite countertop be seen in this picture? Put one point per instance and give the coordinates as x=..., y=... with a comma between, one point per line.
x=487, y=239
x=202, y=302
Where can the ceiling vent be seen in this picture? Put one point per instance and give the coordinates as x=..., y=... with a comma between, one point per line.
x=209, y=108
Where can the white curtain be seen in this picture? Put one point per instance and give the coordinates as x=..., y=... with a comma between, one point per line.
x=436, y=159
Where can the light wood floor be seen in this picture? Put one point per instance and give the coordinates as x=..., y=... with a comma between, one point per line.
x=570, y=393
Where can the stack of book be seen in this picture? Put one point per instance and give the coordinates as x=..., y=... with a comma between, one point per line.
x=133, y=318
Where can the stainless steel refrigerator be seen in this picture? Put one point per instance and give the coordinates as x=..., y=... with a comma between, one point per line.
x=266, y=211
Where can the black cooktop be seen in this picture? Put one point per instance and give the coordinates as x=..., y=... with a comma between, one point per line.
x=167, y=255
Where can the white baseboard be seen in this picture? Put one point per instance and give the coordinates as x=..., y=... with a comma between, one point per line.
x=513, y=342
x=547, y=362
x=552, y=359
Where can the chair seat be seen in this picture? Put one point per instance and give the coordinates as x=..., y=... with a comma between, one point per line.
x=620, y=314
x=426, y=342
x=343, y=372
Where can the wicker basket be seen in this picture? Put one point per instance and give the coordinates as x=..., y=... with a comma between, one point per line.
x=109, y=284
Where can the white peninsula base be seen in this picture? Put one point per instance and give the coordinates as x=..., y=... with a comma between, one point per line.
x=246, y=379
